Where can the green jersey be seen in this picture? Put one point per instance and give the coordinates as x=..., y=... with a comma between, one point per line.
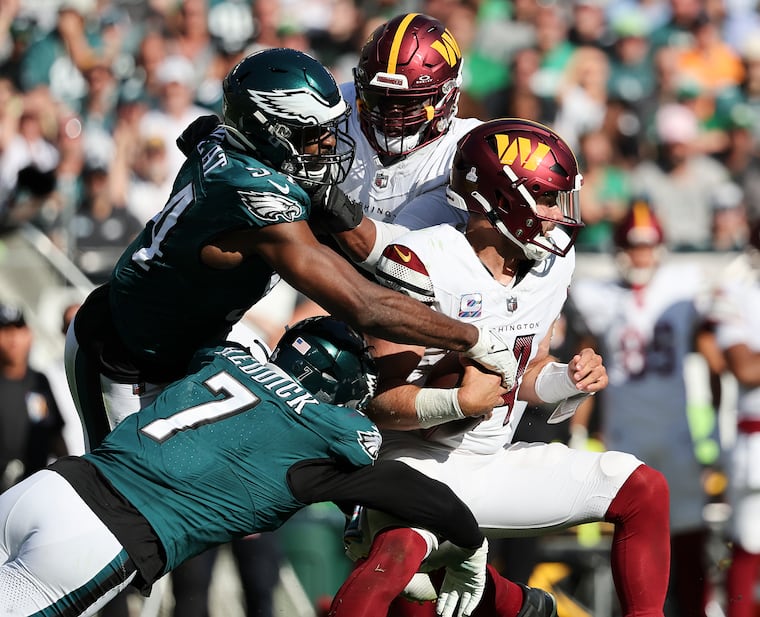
x=165, y=302
x=208, y=460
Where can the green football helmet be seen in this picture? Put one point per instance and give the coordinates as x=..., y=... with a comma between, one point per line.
x=279, y=101
x=329, y=359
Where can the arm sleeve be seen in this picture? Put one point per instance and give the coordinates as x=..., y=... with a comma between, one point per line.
x=391, y=487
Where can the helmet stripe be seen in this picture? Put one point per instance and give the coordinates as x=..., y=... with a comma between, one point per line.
x=397, y=40
x=641, y=215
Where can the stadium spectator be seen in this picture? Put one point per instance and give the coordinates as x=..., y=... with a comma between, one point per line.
x=30, y=423
x=58, y=60
x=606, y=191
x=176, y=109
x=102, y=227
x=679, y=181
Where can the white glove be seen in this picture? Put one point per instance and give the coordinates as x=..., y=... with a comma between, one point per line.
x=463, y=585
x=493, y=352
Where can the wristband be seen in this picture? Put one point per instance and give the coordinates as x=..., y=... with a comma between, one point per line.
x=435, y=406
x=553, y=384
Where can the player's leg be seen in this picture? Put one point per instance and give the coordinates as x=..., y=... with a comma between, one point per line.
x=258, y=560
x=744, y=496
x=501, y=598
x=60, y=560
x=394, y=557
x=100, y=401
x=640, y=556
x=191, y=583
x=543, y=487
x=83, y=377
x=740, y=582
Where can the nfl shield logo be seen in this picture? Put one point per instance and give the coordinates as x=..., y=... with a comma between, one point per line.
x=381, y=179
x=511, y=304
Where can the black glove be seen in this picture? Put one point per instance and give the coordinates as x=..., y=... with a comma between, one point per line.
x=333, y=211
x=197, y=131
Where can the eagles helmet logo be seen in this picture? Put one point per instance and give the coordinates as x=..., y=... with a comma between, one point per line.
x=296, y=105
x=271, y=207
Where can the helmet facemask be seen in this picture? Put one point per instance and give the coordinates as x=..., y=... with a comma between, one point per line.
x=288, y=143
x=529, y=236
x=407, y=83
x=397, y=123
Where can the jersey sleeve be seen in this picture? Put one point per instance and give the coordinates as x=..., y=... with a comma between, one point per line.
x=255, y=194
x=392, y=487
x=354, y=438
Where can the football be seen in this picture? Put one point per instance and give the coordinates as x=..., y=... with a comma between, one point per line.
x=447, y=372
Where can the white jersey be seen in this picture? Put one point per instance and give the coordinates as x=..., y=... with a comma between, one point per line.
x=558, y=487
x=415, y=184
x=523, y=312
x=736, y=313
x=645, y=336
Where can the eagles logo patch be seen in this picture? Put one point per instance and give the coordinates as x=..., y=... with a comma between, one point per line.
x=370, y=442
x=272, y=207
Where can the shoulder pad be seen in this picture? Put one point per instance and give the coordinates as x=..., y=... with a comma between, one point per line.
x=401, y=269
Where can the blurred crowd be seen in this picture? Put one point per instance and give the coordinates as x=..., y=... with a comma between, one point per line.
x=660, y=98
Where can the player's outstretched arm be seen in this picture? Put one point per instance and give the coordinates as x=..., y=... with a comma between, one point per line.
x=392, y=487
x=321, y=274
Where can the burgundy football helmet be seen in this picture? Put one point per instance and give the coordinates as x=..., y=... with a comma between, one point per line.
x=640, y=227
x=507, y=168
x=407, y=83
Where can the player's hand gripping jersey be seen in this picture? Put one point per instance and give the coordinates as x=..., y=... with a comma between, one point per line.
x=438, y=265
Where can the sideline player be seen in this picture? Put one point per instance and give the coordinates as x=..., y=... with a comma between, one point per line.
x=645, y=321
x=736, y=314
x=235, y=222
x=511, y=269
x=235, y=447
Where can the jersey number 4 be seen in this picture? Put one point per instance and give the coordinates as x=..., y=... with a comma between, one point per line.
x=162, y=225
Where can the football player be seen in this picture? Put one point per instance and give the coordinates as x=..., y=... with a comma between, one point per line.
x=405, y=127
x=235, y=222
x=235, y=447
x=645, y=321
x=510, y=270
x=404, y=98
x=736, y=313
